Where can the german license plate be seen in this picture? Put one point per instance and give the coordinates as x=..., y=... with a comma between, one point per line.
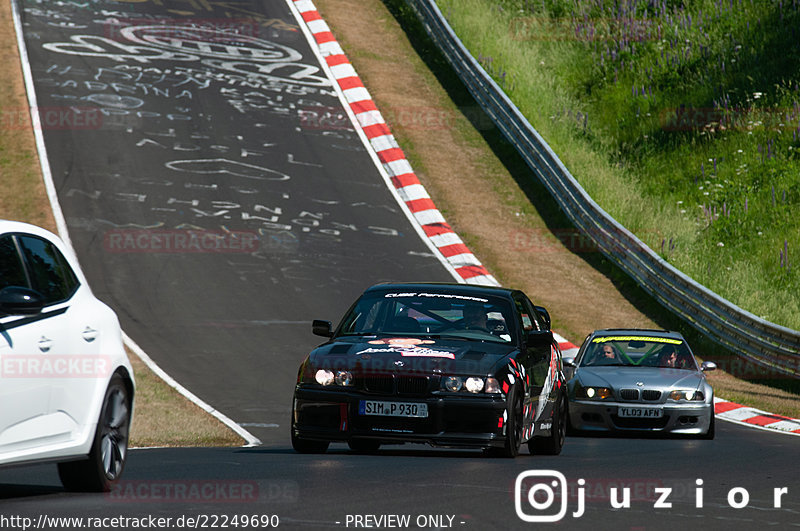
x=393, y=409
x=640, y=413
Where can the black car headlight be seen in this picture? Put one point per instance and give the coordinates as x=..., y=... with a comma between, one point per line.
x=473, y=384
x=327, y=377
x=492, y=386
x=470, y=384
x=452, y=383
x=593, y=393
x=687, y=395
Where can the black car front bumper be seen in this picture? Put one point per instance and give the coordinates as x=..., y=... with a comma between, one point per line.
x=458, y=420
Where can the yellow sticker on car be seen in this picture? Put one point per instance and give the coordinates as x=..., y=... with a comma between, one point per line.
x=651, y=339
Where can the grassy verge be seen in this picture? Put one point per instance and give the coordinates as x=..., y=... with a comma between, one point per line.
x=163, y=417
x=681, y=120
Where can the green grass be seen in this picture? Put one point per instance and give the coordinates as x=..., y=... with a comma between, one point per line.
x=680, y=120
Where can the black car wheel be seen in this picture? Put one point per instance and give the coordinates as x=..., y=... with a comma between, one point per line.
x=709, y=435
x=552, y=444
x=106, y=461
x=364, y=446
x=513, y=427
x=308, y=446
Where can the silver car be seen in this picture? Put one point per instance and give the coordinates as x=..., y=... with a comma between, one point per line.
x=639, y=380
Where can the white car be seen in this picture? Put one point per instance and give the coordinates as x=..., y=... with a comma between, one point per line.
x=66, y=385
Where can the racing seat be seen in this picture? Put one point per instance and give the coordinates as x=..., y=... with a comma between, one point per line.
x=404, y=324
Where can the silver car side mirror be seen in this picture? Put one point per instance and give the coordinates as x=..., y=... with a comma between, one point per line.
x=708, y=366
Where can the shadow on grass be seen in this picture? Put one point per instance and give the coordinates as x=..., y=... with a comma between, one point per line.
x=548, y=209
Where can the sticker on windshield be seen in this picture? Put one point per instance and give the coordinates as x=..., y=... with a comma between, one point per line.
x=650, y=339
x=435, y=296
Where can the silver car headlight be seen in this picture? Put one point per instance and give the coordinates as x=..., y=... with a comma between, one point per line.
x=593, y=393
x=686, y=395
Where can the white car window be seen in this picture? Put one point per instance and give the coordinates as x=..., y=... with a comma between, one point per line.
x=50, y=274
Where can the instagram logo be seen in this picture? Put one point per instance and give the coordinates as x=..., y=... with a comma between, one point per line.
x=535, y=493
x=539, y=489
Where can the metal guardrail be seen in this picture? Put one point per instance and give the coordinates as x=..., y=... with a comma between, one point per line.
x=772, y=346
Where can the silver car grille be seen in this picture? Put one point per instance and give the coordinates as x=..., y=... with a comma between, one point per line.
x=632, y=395
x=651, y=395
x=629, y=394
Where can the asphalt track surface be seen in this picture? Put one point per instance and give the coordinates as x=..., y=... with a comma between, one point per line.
x=316, y=492
x=175, y=139
x=154, y=133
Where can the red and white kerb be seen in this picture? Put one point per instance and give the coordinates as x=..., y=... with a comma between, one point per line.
x=391, y=155
x=754, y=417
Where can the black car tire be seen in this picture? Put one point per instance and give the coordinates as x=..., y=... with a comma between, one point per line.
x=571, y=430
x=106, y=461
x=709, y=435
x=553, y=443
x=513, y=427
x=364, y=446
x=308, y=446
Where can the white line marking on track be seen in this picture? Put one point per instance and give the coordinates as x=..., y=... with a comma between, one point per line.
x=61, y=224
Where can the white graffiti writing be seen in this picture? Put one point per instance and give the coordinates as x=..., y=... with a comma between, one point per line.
x=208, y=42
x=229, y=167
x=93, y=46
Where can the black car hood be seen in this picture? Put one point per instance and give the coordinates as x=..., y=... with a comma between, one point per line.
x=411, y=355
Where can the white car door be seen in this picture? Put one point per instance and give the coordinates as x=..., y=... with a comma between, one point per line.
x=30, y=344
x=70, y=367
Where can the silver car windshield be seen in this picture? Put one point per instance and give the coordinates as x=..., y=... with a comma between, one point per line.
x=425, y=314
x=638, y=351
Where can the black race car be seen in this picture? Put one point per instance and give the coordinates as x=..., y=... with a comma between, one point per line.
x=450, y=365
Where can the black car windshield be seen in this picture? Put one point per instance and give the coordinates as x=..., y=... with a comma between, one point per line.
x=638, y=351
x=432, y=313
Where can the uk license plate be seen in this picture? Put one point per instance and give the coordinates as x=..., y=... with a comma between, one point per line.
x=640, y=413
x=393, y=409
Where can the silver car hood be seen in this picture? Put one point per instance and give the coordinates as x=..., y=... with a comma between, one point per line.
x=650, y=377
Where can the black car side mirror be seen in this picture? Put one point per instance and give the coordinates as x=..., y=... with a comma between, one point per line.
x=540, y=339
x=322, y=328
x=16, y=300
x=545, y=315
